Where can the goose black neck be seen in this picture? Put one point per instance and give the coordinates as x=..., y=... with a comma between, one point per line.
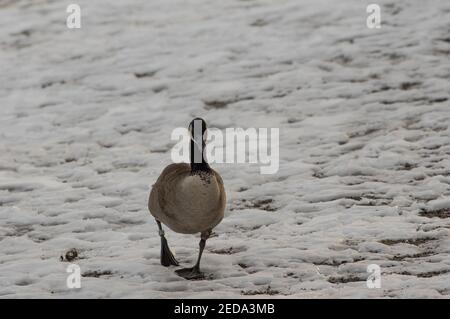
x=198, y=160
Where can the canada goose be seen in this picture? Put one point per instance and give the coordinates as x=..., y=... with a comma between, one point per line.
x=189, y=199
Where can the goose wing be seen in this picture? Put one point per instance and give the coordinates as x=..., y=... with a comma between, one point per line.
x=223, y=196
x=160, y=194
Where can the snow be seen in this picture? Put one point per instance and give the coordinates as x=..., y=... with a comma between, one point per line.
x=86, y=117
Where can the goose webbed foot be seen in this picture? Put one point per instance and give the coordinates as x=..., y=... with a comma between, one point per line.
x=194, y=272
x=191, y=273
x=167, y=258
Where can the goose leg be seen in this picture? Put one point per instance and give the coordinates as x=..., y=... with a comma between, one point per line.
x=194, y=272
x=167, y=257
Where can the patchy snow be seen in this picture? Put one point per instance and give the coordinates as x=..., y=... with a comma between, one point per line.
x=85, y=123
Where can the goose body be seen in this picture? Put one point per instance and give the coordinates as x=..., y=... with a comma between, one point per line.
x=189, y=199
x=186, y=202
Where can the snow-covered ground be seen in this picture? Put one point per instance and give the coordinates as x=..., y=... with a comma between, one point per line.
x=85, y=123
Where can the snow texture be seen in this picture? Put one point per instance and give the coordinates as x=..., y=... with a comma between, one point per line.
x=85, y=123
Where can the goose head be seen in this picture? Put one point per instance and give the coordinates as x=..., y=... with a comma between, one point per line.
x=198, y=134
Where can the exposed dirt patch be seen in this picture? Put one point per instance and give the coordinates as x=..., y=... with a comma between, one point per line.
x=215, y=104
x=444, y=40
x=268, y=291
x=24, y=282
x=221, y=104
x=291, y=275
x=146, y=74
x=395, y=57
x=342, y=59
x=20, y=230
x=336, y=263
x=392, y=8
x=407, y=167
x=292, y=120
x=441, y=52
x=428, y=274
x=263, y=204
x=228, y=251
x=440, y=213
x=159, y=150
x=318, y=174
x=439, y=99
x=51, y=83
x=409, y=85
x=426, y=100
x=345, y=279
x=259, y=23
x=376, y=196
x=96, y=273
x=383, y=88
x=16, y=188
x=411, y=241
x=413, y=256
x=433, y=273
x=366, y=131
x=38, y=239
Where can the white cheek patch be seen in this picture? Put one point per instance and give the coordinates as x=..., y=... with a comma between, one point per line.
x=197, y=131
